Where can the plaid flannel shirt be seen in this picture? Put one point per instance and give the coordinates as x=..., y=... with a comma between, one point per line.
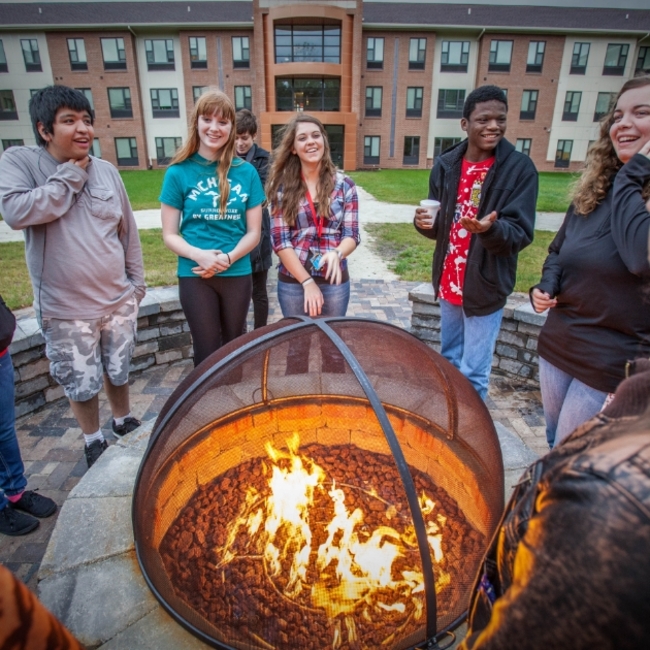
x=343, y=222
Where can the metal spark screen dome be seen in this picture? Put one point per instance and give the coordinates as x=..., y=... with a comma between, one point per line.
x=328, y=483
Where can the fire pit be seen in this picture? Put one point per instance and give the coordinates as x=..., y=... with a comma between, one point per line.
x=319, y=484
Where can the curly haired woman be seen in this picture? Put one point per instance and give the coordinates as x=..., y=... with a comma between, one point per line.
x=592, y=280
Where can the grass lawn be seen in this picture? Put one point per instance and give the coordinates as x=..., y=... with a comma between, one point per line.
x=410, y=253
x=143, y=187
x=410, y=185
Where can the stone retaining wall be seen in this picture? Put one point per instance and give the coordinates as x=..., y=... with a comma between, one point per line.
x=516, y=349
x=163, y=337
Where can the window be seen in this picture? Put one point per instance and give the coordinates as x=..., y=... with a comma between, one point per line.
x=500, y=56
x=7, y=105
x=302, y=43
x=450, y=103
x=523, y=146
x=241, y=52
x=95, y=149
x=31, y=55
x=165, y=149
x=307, y=94
x=375, y=53
x=604, y=104
x=373, y=101
x=3, y=59
x=571, y=106
x=442, y=144
x=113, y=53
x=243, y=98
x=33, y=91
x=371, y=144
x=12, y=143
x=197, y=91
x=89, y=96
x=119, y=101
x=126, y=150
x=417, y=53
x=615, y=59
x=414, y=101
x=164, y=102
x=455, y=56
x=160, y=53
x=411, y=150
x=505, y=93
x=528, y=104
x=579, y=58
x=642, y=62
x=77, y=54
x=563, y=153
x=336, y=139
x=535, y=59
x=198, y=53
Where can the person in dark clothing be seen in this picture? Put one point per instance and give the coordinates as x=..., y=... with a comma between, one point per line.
x=246, y=126
x=593, y=278
x=487, y=192
x=569, y=565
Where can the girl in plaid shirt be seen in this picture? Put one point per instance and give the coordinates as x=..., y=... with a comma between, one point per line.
x=315, y=227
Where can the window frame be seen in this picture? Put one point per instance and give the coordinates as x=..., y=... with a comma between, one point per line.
x=120, y=63
x=414, y=110
x=325, y=31
x=243, y=62
x=247, y=98
x=369, y=142
x=437, y=145
x=150, y=54
x=525, y=147
x=3, y=58
x=12, y=142
x=560, y=161
x=577, y=55
x=163, y=113
x=568, y=112
x=11, y=113
x=529, y=113
x=195, y=62
x=132, y=161
x=374, y=63
x=324, y=97
x=420, y=52
x=463, y=65
x=443, y=112
x=78, y=64
x=88, y=94
x=371, y=108
x=598, y=115
x=36, y=64
x=121, y=113
x=619, y=69
x=493, y=64
x=535, y=67
x=643, y=55
x=160, y=147
x=412, y=159
x=196, y=95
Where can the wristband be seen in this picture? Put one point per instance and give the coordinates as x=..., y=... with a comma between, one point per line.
x=228, y=256
x=339, y=253
x=307, y=281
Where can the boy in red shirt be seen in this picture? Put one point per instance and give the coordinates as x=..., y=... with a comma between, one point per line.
x=487, y=191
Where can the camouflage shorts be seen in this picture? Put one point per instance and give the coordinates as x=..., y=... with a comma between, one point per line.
x=80, y=351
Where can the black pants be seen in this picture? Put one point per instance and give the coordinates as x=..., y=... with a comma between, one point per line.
x=215, y=309
x=260, y=299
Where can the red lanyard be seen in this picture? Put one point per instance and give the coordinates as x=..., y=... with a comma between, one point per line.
x=319, y=218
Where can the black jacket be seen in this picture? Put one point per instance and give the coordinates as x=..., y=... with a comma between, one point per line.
x=569, y=565
x=7, y=325
x=510, y=188
x=596, y=268
x=261, y=255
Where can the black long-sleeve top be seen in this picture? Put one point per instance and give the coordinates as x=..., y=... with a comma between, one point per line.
x=597, y=268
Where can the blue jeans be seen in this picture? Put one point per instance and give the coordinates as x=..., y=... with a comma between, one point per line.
x=292, y=302
x=567, y=402
x=468, y=343
x=292, y=299
x=12, y=471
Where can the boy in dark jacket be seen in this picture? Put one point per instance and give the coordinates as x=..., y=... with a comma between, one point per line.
x=246, y=126
x=487, y=192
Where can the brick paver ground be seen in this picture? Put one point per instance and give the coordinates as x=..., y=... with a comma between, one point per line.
x=52, y=444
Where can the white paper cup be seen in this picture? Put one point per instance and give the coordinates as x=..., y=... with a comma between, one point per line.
x=432, y=206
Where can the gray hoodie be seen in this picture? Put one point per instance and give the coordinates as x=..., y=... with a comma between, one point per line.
x=82, y=245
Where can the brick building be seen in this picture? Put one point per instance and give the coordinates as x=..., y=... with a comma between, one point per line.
x=388, y=79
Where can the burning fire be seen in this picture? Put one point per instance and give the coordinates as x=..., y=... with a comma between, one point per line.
x=356, y=571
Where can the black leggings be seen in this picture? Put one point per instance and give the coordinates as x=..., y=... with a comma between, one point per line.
x=215, y=309
x=260, y=299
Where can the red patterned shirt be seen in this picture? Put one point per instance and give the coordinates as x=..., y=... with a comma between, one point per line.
x=467, y=202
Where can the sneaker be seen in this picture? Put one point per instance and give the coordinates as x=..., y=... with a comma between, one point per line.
x=130, y=424
x=13, y=522
x=94, y=450
x=35, y=504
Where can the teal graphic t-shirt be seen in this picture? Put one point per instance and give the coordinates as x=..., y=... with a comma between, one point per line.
x=192, y=187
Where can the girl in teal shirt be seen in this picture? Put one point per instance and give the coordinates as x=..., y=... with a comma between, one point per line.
x=211, y=218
